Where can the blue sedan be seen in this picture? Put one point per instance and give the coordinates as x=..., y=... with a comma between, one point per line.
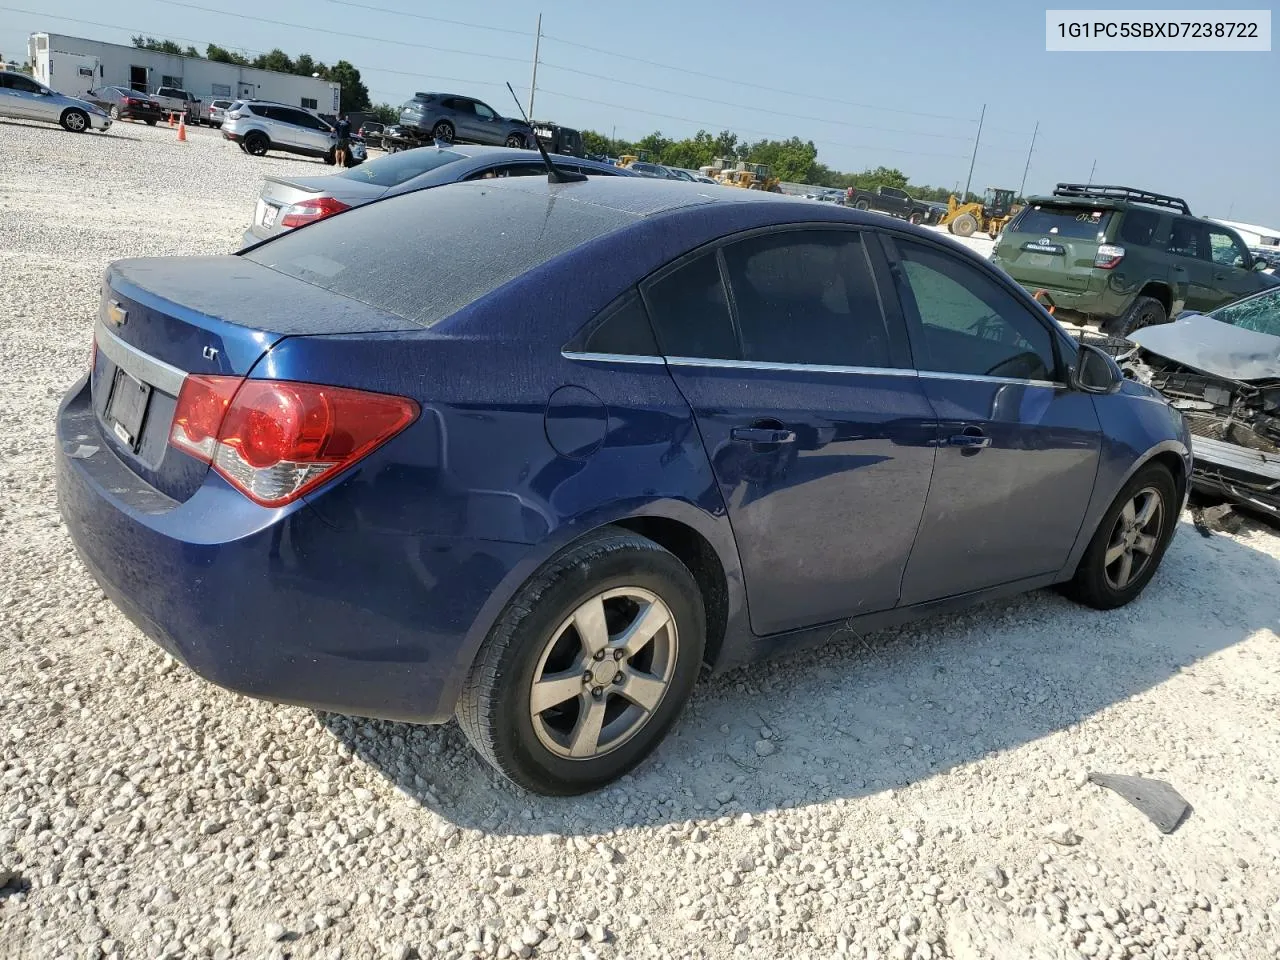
x=532, y=454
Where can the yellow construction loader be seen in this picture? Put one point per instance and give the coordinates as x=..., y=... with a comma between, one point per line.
x=739, y=173
x=991, y=215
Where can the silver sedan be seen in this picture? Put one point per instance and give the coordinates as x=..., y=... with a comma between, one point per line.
x=22, y=98
x=288, y=202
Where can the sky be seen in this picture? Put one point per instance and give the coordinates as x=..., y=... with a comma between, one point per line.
x=898, y=84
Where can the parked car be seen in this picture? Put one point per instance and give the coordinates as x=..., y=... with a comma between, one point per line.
x=890, y=200
x=121, y=103
x=371, y=133
x=558, y=139
x=645, y=169
x=450, y=117
x=178, y=101
x=1125, y=258
x=533, y=453
x=218, y=111
x=260, y=125
x=22, y=98
x=288, y=202
x=1222, y=370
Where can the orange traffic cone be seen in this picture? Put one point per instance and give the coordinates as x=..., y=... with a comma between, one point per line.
x=171, y=120
x=182, y=130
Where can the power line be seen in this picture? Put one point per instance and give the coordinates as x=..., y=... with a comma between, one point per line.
x=743, y=106
x=112, y=26
x=755, y=86
x=342, y=33
x=735, y=127
x=423, y=16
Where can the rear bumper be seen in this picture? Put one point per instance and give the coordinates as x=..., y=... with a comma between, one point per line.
x=1240, y=474
x=277, y=604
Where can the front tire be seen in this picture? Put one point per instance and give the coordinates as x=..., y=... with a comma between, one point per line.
x=517, y=141
x=588, y=667
x=963, y=225
x=1130, y=542
x=115, y=113
x=863, y=205
x=75, y=121
x=443, y=131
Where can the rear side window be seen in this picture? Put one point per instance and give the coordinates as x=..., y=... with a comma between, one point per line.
x=623, y=329
x=396, y=168
x=426, y=254
x=690, y=312
x=807, y=297
x=1188, y=238
x=1138, y=227
x=1069, y=222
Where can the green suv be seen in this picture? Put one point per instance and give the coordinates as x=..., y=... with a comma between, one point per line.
x=1125, y=258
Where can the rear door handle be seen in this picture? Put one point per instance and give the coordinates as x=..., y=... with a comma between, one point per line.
x=971, y=439
x=762, y=435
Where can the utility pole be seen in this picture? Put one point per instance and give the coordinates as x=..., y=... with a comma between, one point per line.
x=1023, y=185
x=533, y=84
x=1091, y=169
x=974, y=158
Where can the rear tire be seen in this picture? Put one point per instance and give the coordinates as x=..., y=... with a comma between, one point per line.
x=256, y=144
x=151, y=123
x=627, y=580
x=443, y=131
x=516, y=141
x=1143, y=312
x=862, y=205
x=1106, y=585
x=915, y=218
x=964, y=225
x=75, y=121
x=115, y=113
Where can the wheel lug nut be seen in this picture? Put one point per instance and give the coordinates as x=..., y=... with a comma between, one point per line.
x=617, y=654
x=586, y=677
x=598, y=692
x=599, y=655
x=617, y=677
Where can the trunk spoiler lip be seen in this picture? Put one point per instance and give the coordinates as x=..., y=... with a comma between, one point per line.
x=289, y=182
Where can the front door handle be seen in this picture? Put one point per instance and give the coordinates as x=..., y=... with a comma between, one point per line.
x=763, y=435
x=971, y=438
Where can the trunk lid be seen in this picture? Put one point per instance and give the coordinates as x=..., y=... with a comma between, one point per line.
x=161, y=319
x=1053, y=245
x=280, y=193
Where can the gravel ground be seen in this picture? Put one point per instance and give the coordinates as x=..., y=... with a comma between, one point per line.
x=917, y=793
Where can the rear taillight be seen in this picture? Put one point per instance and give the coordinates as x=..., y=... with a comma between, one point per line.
x=274, y=440
x=309, y=211
x=1109, y=255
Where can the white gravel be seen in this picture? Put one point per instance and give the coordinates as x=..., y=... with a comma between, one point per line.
x=918, y=793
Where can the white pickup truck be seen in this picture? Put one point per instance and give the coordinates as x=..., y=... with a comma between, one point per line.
x=178, y=101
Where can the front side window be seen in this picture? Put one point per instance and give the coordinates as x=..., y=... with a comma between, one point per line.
x=1226, y=249
x=690, y=312
x=24, y=84
x=971, y=325
x=807, y=296
x=483, y=112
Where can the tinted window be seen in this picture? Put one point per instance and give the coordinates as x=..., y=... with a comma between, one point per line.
x=1074, y=222
x=427, y=254
x=690, y=312
x=25, y=84
x=623, y=328
x=395, y=168
x=1187, y=238
x=1225, y=248
x=1260, y=314
x=259, y=109
x=971, y=324
x=806, y=297
x=484, y=112
x=1138, y=227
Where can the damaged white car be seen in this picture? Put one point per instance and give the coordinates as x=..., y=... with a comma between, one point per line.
x=1222, y=370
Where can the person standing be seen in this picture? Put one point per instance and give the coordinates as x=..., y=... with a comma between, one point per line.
x=343, y=146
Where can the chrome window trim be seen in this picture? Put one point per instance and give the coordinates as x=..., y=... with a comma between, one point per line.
x=610, y=357
x=942, y=375
x=798, y=367
x=141, y=366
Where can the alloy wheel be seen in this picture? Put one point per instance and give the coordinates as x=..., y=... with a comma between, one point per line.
x=1134, y=538
x=603, y=673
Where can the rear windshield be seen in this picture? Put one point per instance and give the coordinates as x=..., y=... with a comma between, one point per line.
x=427, y=254
x=1074, y=222
x=395, y=168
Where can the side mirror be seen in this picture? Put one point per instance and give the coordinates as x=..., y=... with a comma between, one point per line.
x=1260, y=265
x=1095, y=371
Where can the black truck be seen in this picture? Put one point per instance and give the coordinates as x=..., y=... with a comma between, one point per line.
x=890, y=200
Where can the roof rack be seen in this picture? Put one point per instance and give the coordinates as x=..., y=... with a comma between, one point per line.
x=1104, y=191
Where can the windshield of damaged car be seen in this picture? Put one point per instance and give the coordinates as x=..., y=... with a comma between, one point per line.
x=1261, y=314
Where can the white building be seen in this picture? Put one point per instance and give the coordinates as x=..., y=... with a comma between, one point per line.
x=1252, y=234
x=74, y=65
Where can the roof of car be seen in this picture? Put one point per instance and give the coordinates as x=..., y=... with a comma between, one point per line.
x=645, y=196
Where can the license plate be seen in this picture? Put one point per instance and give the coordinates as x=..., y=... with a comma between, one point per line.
x=127, y=407
x=269, y=215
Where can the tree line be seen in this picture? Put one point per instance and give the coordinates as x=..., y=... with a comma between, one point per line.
x=793, y=160
x=355, y=95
